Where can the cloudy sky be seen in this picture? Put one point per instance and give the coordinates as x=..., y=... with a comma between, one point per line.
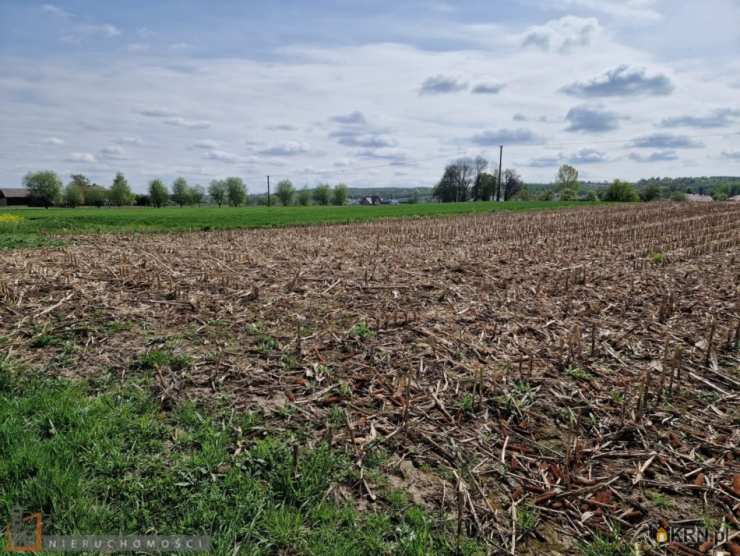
x=367, y=92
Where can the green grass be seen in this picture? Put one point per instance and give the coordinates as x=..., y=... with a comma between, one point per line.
x=579, y=374
x=606, y=546
x=104, y=458
x=36, y=224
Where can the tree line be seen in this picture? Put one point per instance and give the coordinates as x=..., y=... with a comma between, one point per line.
x=47, y=189
x=467, y=179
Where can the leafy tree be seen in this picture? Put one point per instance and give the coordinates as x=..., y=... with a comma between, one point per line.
x=158, y=193
x=592, y=196
x=567, y=178
x=339, y=195
x=285, y=192
x=181, y=192
x=322, y=194
x=622, y=192
x=479, y=192
x=236, y=191
x=120, y=192
x=96, y=195
x=546, y=195
x=197, y=194
x=679, y=197
x=456, y=181
x=445, y=191
x=513, y=183
x=217, y=192
x=524, y=194
x=259, y=200
x=484, y=187
x=651, y=192
x=142, y=200
x=45, y=187
x=73, y=195
x=304, y=197
x=83, y=183
x=568, y=194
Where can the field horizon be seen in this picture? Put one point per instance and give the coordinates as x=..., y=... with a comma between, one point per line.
x=39, y=226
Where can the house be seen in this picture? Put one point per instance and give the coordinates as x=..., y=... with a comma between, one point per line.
x=14, y=196
x=372, y=200
x=696, y=198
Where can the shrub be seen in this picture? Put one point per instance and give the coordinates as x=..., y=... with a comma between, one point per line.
x=285, y=192
x=322, y=194
x=304, y=197
x=568, y=195
x=650, y=193
x=546, y=195
x=339, y=195
x=621, y=192
x=73, y=196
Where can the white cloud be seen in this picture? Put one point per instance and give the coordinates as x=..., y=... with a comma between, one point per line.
x=129, y=140
x=91, y=31
x=145, y=33
x=157, y=112
x=564, y=34
x=519, y=136
x=291, y=148
x=81, y=157
x=622, y=81
x=137, y=47
x=587, y=156
x=658, y=156
x=56, y=11
x=635, y=10
x=442, y=85
x=206, y=144
x=53, y=141
x=221, y=156
x=113, y=152
x=190, y=124
x=488, y=88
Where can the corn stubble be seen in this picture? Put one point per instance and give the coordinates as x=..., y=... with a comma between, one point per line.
x=547, y=361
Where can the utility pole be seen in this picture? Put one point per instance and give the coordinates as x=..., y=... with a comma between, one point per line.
x=498, y=182
x=268, y=191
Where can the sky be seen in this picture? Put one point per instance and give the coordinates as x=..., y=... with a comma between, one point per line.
x=369, y=93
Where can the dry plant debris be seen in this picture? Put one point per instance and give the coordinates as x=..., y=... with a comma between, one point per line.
x=539, y=378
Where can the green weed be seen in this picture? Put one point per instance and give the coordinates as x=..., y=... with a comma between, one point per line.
x=579, y=374
x=109, y=461
x=362, y=331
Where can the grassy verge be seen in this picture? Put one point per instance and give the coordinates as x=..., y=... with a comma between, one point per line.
x=104, y=458
x=32, y=224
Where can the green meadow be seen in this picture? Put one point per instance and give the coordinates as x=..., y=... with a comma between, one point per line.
x=38, y=226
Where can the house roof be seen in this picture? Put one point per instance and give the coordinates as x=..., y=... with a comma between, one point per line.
x=11, y=192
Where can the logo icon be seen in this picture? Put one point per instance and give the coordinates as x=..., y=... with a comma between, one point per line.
x=661, y=537
x=24, y=534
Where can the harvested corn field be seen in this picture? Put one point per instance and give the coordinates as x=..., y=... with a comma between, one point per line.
x=545, y=383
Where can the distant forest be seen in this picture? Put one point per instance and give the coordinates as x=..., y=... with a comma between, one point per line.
x=719, y=187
